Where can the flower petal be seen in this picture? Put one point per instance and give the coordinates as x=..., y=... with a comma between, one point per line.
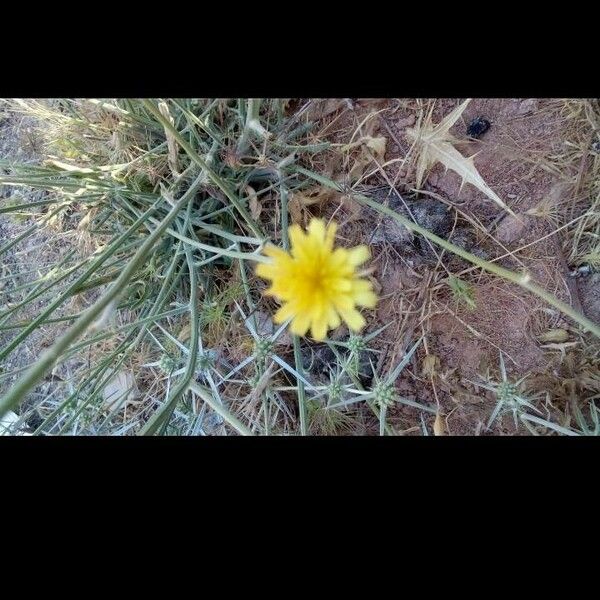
x=300, y=324
x=366, y=299
x=357, y=256
x=316, y=230
x=318, y=286
x=275, y=252
x=330, y=235
x=333, y=319
x=298, y=242
x=319, y=329
x=266, y=271
x=353, y=318
x=284, y=313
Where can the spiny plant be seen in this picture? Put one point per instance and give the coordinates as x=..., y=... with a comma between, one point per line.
x=169, y=212
x=434, y=143
x=382, y=394
x=510, y=399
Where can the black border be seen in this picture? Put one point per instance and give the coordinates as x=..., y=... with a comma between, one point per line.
x=382, y=65
x=425, y=489
x=338, y=50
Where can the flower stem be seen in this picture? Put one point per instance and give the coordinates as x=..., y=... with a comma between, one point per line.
x=296, y=340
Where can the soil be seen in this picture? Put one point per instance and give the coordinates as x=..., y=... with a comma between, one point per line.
x=514, y=157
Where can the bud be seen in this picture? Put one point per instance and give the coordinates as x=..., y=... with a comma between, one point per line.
x=384, y=394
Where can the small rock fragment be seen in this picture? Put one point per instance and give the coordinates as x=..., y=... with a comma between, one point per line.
x=528, y=106
x=511, y=228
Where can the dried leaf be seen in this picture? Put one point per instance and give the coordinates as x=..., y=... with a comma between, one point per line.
x=431, y=365
x=435, y=145
x=295, y=208
x=370, y=148
x=298, y=201
x=185, y=333
x=439, y=427
x=253, y=203
x=554, y=335
x=352, y=207
x=320, y=109
x=171, y=141
x=119, y=390
x=6, y=423
x=84, y=224
x=377, y=145
x=313, y=196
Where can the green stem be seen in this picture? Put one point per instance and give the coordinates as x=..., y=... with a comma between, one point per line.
x=40, y=319
x=161, y=416
x=207, y=396
x=209, y=172
x=30, y=379
x=382, y=416
x=301, y=392
x=295, y=339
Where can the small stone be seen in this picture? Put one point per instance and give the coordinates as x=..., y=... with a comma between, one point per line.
x=428, y=213
x=511, y=228
x=406, y=121
x=120, y=390
x=265, y=328
x=528, y=106
x=463, y=238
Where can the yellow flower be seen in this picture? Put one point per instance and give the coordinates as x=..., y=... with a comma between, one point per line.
x=317, y=285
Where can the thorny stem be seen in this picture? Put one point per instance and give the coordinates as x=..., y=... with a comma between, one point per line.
x=252, y=113
x=207, y=396
x=382, y=416
x=161, y=416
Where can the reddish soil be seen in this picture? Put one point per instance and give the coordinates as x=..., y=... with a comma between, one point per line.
x=515, y=158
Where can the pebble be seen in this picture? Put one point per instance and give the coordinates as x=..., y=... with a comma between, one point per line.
x=528, y=106
x=511, y=228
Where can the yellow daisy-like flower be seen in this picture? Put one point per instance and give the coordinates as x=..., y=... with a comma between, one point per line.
x=317, y=286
